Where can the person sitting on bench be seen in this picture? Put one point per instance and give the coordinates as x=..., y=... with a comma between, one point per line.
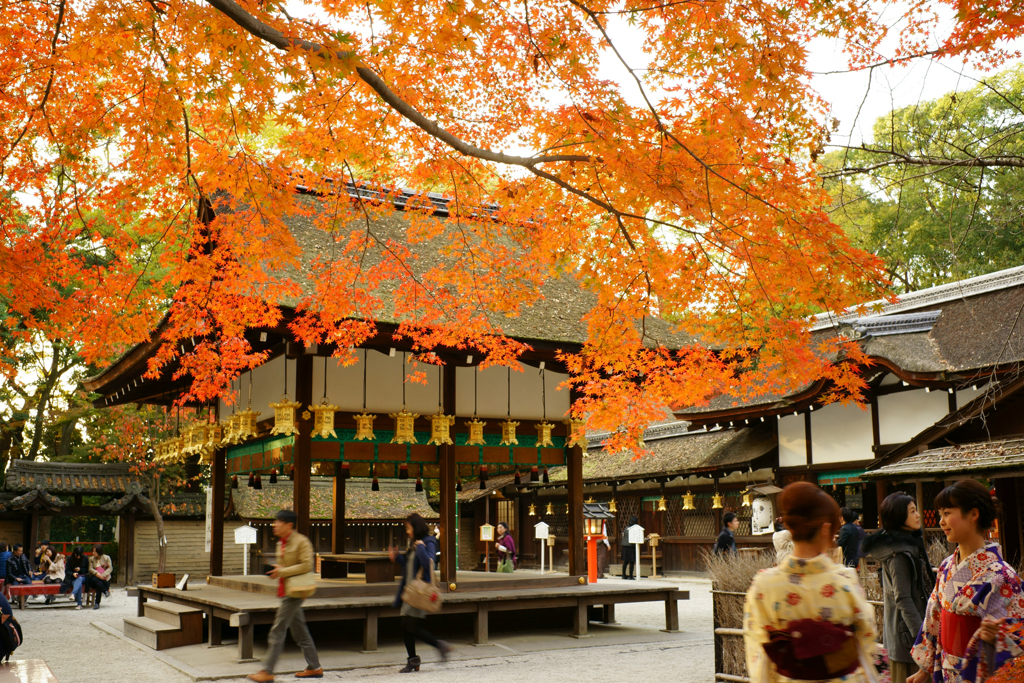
x=100, y=570
x=76, y=568
x=19, y=571
x=54, y=570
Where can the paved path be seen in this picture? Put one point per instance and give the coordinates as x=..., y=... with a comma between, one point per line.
x=79, y=652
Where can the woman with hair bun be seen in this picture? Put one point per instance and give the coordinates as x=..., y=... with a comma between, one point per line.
x=808, y=618
x=973, y=620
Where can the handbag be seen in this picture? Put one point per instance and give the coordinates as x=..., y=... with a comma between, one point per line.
x=10, y=634
x=422, y=595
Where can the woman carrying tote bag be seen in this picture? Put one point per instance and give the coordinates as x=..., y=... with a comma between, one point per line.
x=416, y=563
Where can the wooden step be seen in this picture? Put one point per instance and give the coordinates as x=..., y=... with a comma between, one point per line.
x=161, y=636
x=171, y=612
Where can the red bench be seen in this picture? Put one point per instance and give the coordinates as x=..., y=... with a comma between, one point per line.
x=21, y=591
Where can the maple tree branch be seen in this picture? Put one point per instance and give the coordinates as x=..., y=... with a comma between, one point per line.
x=900, y=159
x=269, y=34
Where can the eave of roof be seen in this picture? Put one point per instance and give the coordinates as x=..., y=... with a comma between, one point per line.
x=1003, y=457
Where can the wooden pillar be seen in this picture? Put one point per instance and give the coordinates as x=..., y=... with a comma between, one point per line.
x=577, y=558
x=881, y=491
x=448, y=476
x=807, y=438
x=128, y=529
x=1010, y=532
x=338, y=516
x=919, y=499
x=33, y=534
x=303, y=442
x=218, y=471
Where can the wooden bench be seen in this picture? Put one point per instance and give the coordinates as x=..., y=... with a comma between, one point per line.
x=378, y=567
x=26, y=671
x=21, y=591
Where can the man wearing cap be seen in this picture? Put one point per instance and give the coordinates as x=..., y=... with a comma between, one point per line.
x=295, y=583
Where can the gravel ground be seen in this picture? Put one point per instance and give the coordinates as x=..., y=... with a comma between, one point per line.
x=77, y=652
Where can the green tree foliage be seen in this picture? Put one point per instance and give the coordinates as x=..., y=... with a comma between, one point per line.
x=939, y=193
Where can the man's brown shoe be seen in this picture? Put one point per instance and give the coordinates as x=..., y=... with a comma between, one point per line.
x=261, y=677
x=311, y=673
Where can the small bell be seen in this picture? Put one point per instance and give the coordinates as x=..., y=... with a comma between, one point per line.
x=345, y=473
x=259, y=483
x=403, y=471
x=273, y=476
x=717, y=501
x=234, y=481
x=518, y=478
x=419, y=485
x=252, y=480
x=546, y=478
x=534, y=474
x=688, y=502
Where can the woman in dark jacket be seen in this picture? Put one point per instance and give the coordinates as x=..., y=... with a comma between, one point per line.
x=907, y=579
x=76, y=569
x=726, y=542
x=416, y=561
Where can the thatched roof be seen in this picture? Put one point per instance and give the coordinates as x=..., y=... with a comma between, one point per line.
x=396, y=500
x=557, y=316
x=987, y=458
x=728, y=449
x=976, y=329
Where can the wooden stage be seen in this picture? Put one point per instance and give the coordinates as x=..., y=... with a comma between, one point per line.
x=244, y=601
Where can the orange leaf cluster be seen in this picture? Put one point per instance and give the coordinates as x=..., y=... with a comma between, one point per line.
x=152, y=150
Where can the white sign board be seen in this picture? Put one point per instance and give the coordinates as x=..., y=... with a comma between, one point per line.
x=636, y=534
x=540, y=530
x=245, y=534
x=209, y=518
x=487, y=532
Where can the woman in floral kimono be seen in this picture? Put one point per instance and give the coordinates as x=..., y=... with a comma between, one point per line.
x=973, y=620
x=808, y=619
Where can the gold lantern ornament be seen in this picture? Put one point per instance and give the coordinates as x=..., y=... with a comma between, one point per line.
x=404, y=421
x=508, y=433
x=284, y=416
x=214, y=435
x=532, y=510
x=440, y=425
x=544, y=434
x=717, y=502
x=748, y=499
x=323, y=421
x=247, y=423
x=662, y=504
x=612, y=506
x=577, y=433
x=688, y=502
x=476, y=432
x=364, y=426
x=550, y=509
x=230, y=431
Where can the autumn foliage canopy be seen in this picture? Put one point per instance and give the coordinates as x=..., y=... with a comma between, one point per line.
x=684, y=189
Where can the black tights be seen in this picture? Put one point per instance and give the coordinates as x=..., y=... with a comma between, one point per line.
x=412, y=628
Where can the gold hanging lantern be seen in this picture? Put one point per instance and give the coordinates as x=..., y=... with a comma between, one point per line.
x=404, y=421
x=214, y=435
x=159, y=450
x=532, y=510
x=662, y=504
x=194, y=440
x=590, y=500
x=230, y=430
x=508, y=433
x=440, y=425
x=284, y=416
x=364, y=426
x=550, y=509
x=717, y=502
x=577, y=433
x=748, y=499
x=247, y=423
x=476, y=433
x=323, y=421
x=174, y=453
x=544, y=434
x=612, y=506
x=688, y=502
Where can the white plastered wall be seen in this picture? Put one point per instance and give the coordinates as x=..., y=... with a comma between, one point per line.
x=902, y=415
x=384, y=376
x=792, y=441
x=841, y=433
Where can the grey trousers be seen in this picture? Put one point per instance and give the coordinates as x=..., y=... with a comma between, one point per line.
x=289, y=616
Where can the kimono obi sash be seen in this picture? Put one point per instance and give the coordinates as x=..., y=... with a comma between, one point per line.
x=813, y=650
x=956, y=631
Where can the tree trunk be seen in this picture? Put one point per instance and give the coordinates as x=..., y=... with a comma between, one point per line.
x=154, y=507
x=43, y=404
